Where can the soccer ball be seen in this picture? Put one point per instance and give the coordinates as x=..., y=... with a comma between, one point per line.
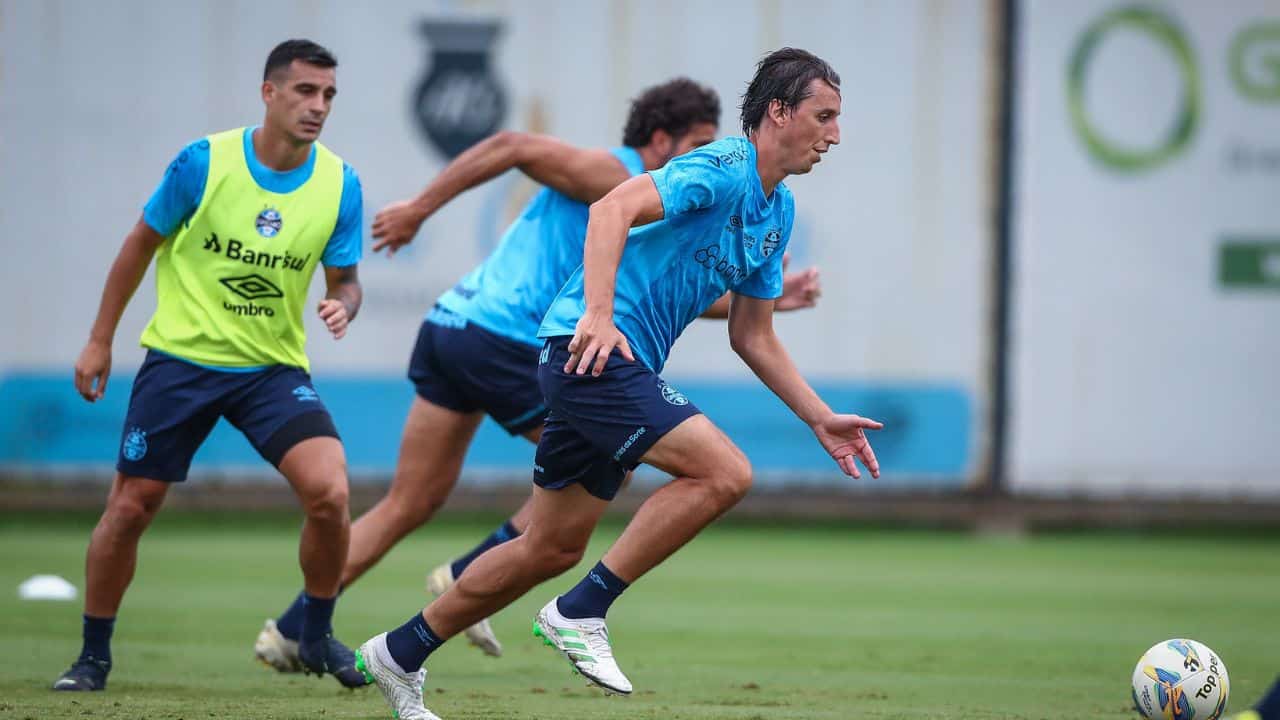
x=1180, y=680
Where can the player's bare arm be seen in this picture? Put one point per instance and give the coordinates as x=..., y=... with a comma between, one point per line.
x=94, y=365
x=582, y=174
x=634, y=202
x=752, y=336
x=800, y=290
x=342, y=299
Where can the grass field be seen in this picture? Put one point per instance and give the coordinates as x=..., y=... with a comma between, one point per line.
x=750, y=622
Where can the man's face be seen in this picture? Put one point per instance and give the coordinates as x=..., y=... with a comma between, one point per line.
x=298, y=100
x=810, y=129
x=668, y=147
x=698, y=135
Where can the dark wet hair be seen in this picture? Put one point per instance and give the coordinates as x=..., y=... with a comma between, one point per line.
x=784, y=75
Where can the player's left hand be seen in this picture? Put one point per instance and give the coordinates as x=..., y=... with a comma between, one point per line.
x=335, y=316
x=395, y=226
x=845, y=439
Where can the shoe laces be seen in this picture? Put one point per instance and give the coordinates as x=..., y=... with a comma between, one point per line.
x=597, y=637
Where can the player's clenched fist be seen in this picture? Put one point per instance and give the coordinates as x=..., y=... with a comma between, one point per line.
x=335, y=316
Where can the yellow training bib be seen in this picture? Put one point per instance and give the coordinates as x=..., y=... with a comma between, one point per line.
x=231, y=283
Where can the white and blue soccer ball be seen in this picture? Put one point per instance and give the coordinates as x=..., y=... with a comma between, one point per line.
x=1180, y=679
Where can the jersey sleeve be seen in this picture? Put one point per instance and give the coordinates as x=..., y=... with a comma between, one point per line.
x=176, y=198
x=766, y=282
x=696, y=181
x=347, y=242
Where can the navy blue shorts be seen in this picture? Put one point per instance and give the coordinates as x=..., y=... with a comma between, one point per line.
x=174, y=405
x=460, y=366
x=599, y=427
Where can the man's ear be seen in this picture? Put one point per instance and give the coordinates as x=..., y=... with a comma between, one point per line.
x=778, y=113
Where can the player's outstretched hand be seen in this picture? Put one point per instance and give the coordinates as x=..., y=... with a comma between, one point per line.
x=334, y=314
x=395, y=225
x=593, y=339
x=845, y=439
x=92, y=370
x=800, y=290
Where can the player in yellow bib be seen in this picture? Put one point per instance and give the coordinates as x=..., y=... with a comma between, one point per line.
x=237, y=228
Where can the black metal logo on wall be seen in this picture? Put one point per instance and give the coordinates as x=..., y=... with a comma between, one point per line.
x=459, y=102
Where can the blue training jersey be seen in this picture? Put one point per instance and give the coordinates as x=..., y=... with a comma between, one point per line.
x=178, y=195
x=510, y=291
x=718, y=233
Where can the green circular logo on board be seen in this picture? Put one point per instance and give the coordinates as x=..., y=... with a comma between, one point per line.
x=1162, y=29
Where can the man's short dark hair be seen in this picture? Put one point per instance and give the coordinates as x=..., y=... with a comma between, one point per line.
x=674, y=106
x=784, y=75
x=308, y=52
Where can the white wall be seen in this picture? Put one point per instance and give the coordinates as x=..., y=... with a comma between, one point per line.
x=1134, y=368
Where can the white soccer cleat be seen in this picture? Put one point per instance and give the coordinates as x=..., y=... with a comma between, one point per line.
x=402, y=691
x=586, y=644
x=275, y=650
x=481, y=634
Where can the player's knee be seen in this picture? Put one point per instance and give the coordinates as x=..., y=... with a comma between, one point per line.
x=413, y=507
x=416, y=511
x=733, y=483
x=131, y=510
x=556, y=556
x=329, y=503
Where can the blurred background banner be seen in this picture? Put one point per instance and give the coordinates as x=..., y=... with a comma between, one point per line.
x=895, y=217
x=1142, y=295
x=1146, y=281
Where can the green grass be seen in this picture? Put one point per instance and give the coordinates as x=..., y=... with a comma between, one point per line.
x=748, y=623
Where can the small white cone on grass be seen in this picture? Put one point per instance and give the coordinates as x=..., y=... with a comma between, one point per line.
x=46, y=587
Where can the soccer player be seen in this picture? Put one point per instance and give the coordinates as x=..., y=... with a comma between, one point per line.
x=1268, y=708
x=237, y=226
x=477, y=350
x=714, y=220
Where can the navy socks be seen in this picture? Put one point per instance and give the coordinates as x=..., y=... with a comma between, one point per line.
x=504, y=533
x=411, y=643
x=97, y=638
x=593, y=595
x=317, y=617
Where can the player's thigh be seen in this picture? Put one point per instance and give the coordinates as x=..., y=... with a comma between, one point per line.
x=282, y=415
x=696, y=448
x=433, y=444
x=316, y=468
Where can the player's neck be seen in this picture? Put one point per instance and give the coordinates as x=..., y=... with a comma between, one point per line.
x=767, y=165
x=650, y=158
x=278, y=151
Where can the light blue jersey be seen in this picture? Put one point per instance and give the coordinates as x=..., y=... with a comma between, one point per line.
x=176, y=198
x=718, y=233
x=511, y=290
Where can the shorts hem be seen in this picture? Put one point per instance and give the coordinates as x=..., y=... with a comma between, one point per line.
x=524, y=423
x=427, y=393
